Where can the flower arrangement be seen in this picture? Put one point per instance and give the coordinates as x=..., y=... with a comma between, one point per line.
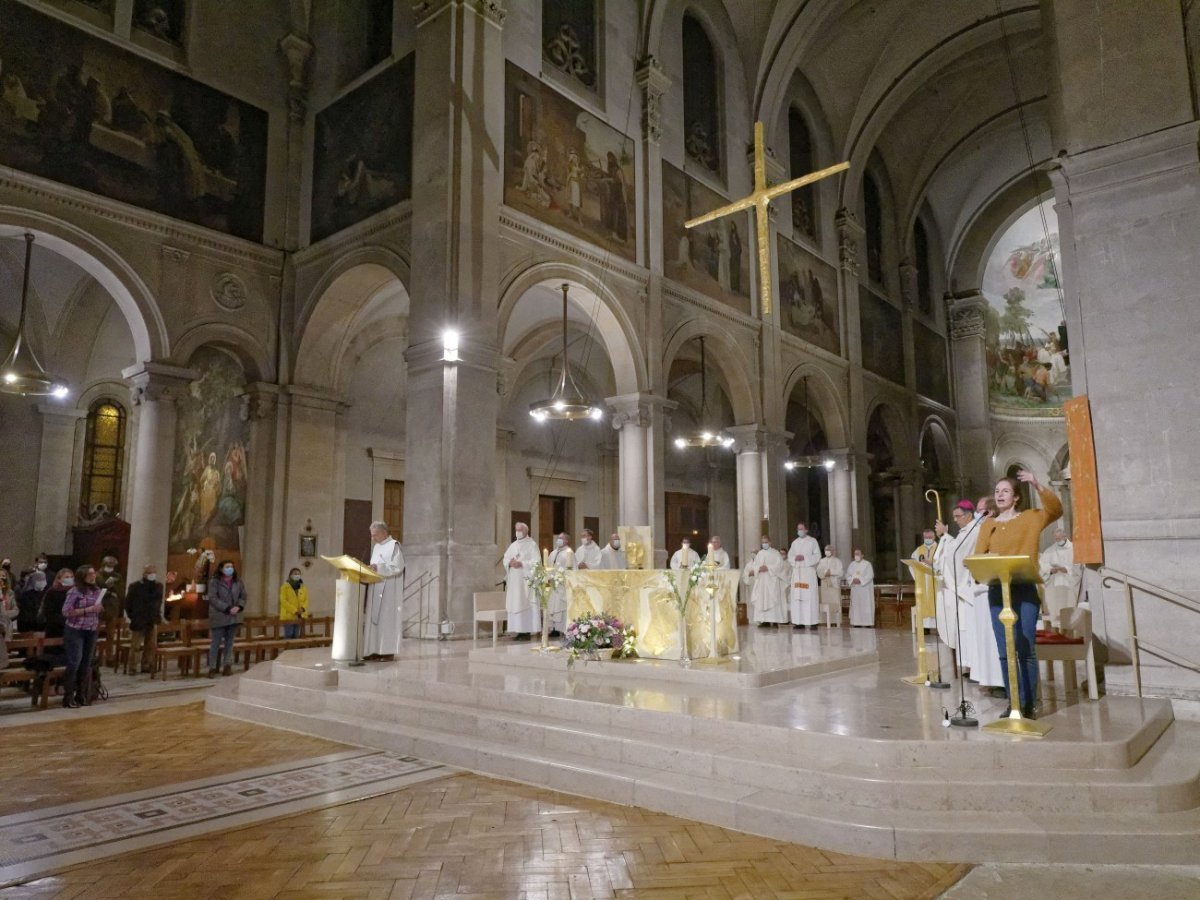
x=543, y=580
x=589, y=635
x=694, y=574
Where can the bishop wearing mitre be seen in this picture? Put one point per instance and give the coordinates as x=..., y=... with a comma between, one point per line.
x=524, y=614
x=803, y=556
x=767, y=574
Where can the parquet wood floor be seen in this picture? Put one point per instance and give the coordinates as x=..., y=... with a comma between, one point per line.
x=472, y=838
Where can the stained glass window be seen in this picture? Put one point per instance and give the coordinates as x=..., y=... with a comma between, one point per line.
x=103, y=456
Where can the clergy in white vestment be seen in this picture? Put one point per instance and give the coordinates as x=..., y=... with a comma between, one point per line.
x=716, y=554
x=524, y=614
x=803, y=556
x=1061, y=576
x=587, y=554
x=613, y=555
x=562, y=557
x=956, y=587
x=685, y=557
x=986, y=669
x=829, y=572
x=860, y=575
x=382, y=631
x=926, y=553
x=767, y=574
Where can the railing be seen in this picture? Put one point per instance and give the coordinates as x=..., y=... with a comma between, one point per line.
x=424, y=613
x=1109, y=577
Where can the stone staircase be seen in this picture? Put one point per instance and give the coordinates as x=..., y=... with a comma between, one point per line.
x=1120, y=784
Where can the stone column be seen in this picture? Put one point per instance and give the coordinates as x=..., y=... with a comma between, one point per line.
x=154, y=389
x=653, y=83
x=264, y=548
x=841, y=503
x=296, y=51
x=850, y=233
x=776, y=446
x=631, y=417
x=910, y=517
x=58, y=470
x=970, y=378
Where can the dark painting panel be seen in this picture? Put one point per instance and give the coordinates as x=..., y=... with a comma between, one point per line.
x=882, y=336
x=933, y=374
x=362, y=162
x=80, y=111
x=565, y=167
x=808, y=299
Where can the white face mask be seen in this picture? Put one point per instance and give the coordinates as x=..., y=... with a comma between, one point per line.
x=108, y=568
x=857, y=558
x=41, y=567
x=521, y=535
x=616, y=544
x=685, y=548
x=150, y=576
x=68, y=582
x=928, y=542
x=829, y=553
x=558, y=542
x=766, y=546
x=800, y=532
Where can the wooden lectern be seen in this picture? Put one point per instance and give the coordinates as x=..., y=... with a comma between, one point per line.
x=1009, y=570
x=926, y=593
x=347, y=609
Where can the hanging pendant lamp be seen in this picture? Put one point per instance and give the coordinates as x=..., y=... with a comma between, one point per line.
x=567, y=402
x=810, y=460
x=21, y=372
x=706, y=435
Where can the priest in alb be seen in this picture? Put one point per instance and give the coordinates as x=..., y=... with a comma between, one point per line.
x=524, y=613
x=860, y=575
x=1061, y=576
x=829, y=571
x=767, y=574
x=716, y=554
x=956, y=588
x=382, y=632
x=587, y=554
x=613, y=555
x=562, y=557
x=684, y=557
x=803, y=555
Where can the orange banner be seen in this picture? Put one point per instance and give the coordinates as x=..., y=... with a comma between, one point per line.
x=1085, y=488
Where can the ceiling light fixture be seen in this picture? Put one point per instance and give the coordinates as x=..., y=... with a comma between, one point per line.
x=706, y=435
x=567, y=402
x=22, y=372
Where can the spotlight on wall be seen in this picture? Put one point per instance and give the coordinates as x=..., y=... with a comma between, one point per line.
x=829, y=464
x=450, y=345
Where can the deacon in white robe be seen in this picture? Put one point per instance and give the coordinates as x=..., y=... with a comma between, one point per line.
x=524, y=614
x=926, y=553
x=587, y=554
x=685, y=557
x=986, y=670
x=803, y=556
x=1061, y=576
x=956, y=587
x=562, y=557
x=767, y=574
x=613, y=556
x=860, y=575
x=716, y=554
x=382, y=631
x=830, y=571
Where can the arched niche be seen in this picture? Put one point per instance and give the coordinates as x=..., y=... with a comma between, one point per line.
x=824, y=399
x=807, y=478
x=726, y=359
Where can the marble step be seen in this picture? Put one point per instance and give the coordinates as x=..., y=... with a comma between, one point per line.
x=1169, y=838
x=1164, y=780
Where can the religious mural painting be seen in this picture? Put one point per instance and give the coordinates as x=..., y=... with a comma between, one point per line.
x=78, y=110
x=209, y=477
x=933, y=370
x=566, y=167
x=882, y=331
x=713, y=258
x=808, y=300
x=362, y=162
x=1028, y=360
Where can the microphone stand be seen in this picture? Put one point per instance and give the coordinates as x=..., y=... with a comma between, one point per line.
x=963, y=719
x=938, y=685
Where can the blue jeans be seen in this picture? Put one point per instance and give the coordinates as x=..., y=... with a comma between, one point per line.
x=1027, y=605
x=80, y=647
x=221, y=633
x=291, y=630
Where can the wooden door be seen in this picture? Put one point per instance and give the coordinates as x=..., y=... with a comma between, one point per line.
x=687, y=516
x=393, y=508
x=356, y=529
x=554, y=517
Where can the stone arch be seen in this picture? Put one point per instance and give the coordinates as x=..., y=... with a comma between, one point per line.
x=127, y=288
x=969, y=257
x=896, y=428
x=729, y=361
x=825, y=401
x=253, y=355
x=935, y=436
x=1017, y=450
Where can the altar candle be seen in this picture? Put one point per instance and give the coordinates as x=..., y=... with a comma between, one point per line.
x=545, y=557
x=710, y=549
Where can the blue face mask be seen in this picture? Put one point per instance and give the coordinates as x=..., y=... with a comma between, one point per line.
x=228, y=570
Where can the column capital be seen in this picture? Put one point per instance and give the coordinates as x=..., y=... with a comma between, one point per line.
x=748, y=438
x=653, y=82
x=505, y=367
x=296, y=51
x=313, y=398
x=64, y=413
x=843, y=459
x=151, y=382
x=850, y=232
x=260, y=399
x=967, y=318
x=637, y=409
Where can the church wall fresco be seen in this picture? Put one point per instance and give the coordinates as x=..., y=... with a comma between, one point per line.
x=565, y=167
x=714, y=258
x=78, y=110
x=362, y=161
x=933, y=373
x=808, y=298
x=1026, y=336
x=882, y=331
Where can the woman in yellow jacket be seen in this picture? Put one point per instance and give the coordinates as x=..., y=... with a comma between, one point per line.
x=293, y=604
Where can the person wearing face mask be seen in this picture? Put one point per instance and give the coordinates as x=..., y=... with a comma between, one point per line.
x=562, y=557
x=40, y=564
x=50, y=614
x=985, y=660
x=384, y=629
x=860, y=575
x=830, y=571
x=587, y=554
x=613, y=555
x=767, y=575
x=81, y=611
x=716, y=554
x=804, y=554
x=144, y=610
x=29, y=601
x=956, y=589
x=293, y=604
x=684, y=558
x=226, y=599
x=524, y=613
x=926, y=552
x=113, y=582
x=1060, y=575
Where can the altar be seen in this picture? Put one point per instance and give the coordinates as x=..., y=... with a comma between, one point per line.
x=644, y=599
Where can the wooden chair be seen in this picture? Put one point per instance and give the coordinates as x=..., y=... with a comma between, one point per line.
x=1070, y=644
x=489, y=607
x=34, y=644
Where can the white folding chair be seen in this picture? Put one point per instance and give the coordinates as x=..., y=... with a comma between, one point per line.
x=489, y=607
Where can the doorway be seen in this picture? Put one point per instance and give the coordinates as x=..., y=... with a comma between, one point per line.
x=687, y=517
x=555, y=515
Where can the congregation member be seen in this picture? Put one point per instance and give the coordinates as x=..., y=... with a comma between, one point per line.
x=613, y=556
x=767, y=574
x=382, y=632
x=985, y=670
x=524, y=614
x=684, y=557
x=145, y=612
x=829, y=573
x=803, y=556
x=41, y=563
x=29, y=601
x=50, y=620
x=9, y=610
x=587, y=555
x=81, y=612
x=562, y=557
x=1061, y=576
x=860, y=575
x=1016, y=533
x=716, y=553
x=293, y=604
x=956, y=589
x=226, y=600
x=926, y=552
x=113, y=583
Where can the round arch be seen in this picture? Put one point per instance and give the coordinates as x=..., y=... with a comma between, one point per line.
x=988, y=224
x=730, y=362
x=935, y=436
x=824, y=401
x=243, y=345
x=895, y=425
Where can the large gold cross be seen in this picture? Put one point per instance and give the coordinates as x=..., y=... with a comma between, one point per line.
x=761, y=199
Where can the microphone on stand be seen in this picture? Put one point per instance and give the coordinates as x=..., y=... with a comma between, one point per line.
x=963, y=719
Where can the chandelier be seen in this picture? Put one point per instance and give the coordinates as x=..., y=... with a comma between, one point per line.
x=567, y=402
x=21, y=372
x=809, y=460
x=705, y=435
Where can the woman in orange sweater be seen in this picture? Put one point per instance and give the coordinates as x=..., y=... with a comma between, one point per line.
x=1013, y=533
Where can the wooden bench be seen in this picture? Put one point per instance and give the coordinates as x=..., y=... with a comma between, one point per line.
x=34, y=645
x=186, y=651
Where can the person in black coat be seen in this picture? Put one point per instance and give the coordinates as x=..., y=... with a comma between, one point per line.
x=29, y=601
x=144, y=609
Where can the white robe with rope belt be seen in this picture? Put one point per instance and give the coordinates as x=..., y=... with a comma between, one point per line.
x=383, y=630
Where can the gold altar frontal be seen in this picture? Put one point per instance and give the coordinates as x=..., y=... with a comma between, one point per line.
x=644, y=599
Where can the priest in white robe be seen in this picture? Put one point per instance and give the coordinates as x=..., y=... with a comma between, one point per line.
x=613, y=554
x=767, y=574
x=587, y=554
x=926, y=553
x=803, y=556
x=860, y=575
x=829, y=572
x=986, y=669
x=562, y=557
x=956, y=587
x=382, y=631
x=716, y=553
x=1061, y=576
x=524, y=613
x=685, y=557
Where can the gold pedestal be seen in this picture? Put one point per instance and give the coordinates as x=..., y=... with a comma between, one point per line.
x=926, y=596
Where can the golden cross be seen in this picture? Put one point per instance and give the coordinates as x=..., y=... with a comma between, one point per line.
x=761, y=199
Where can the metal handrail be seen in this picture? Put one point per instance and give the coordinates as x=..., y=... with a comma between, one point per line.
x=1137, y=644
x=421, y=616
